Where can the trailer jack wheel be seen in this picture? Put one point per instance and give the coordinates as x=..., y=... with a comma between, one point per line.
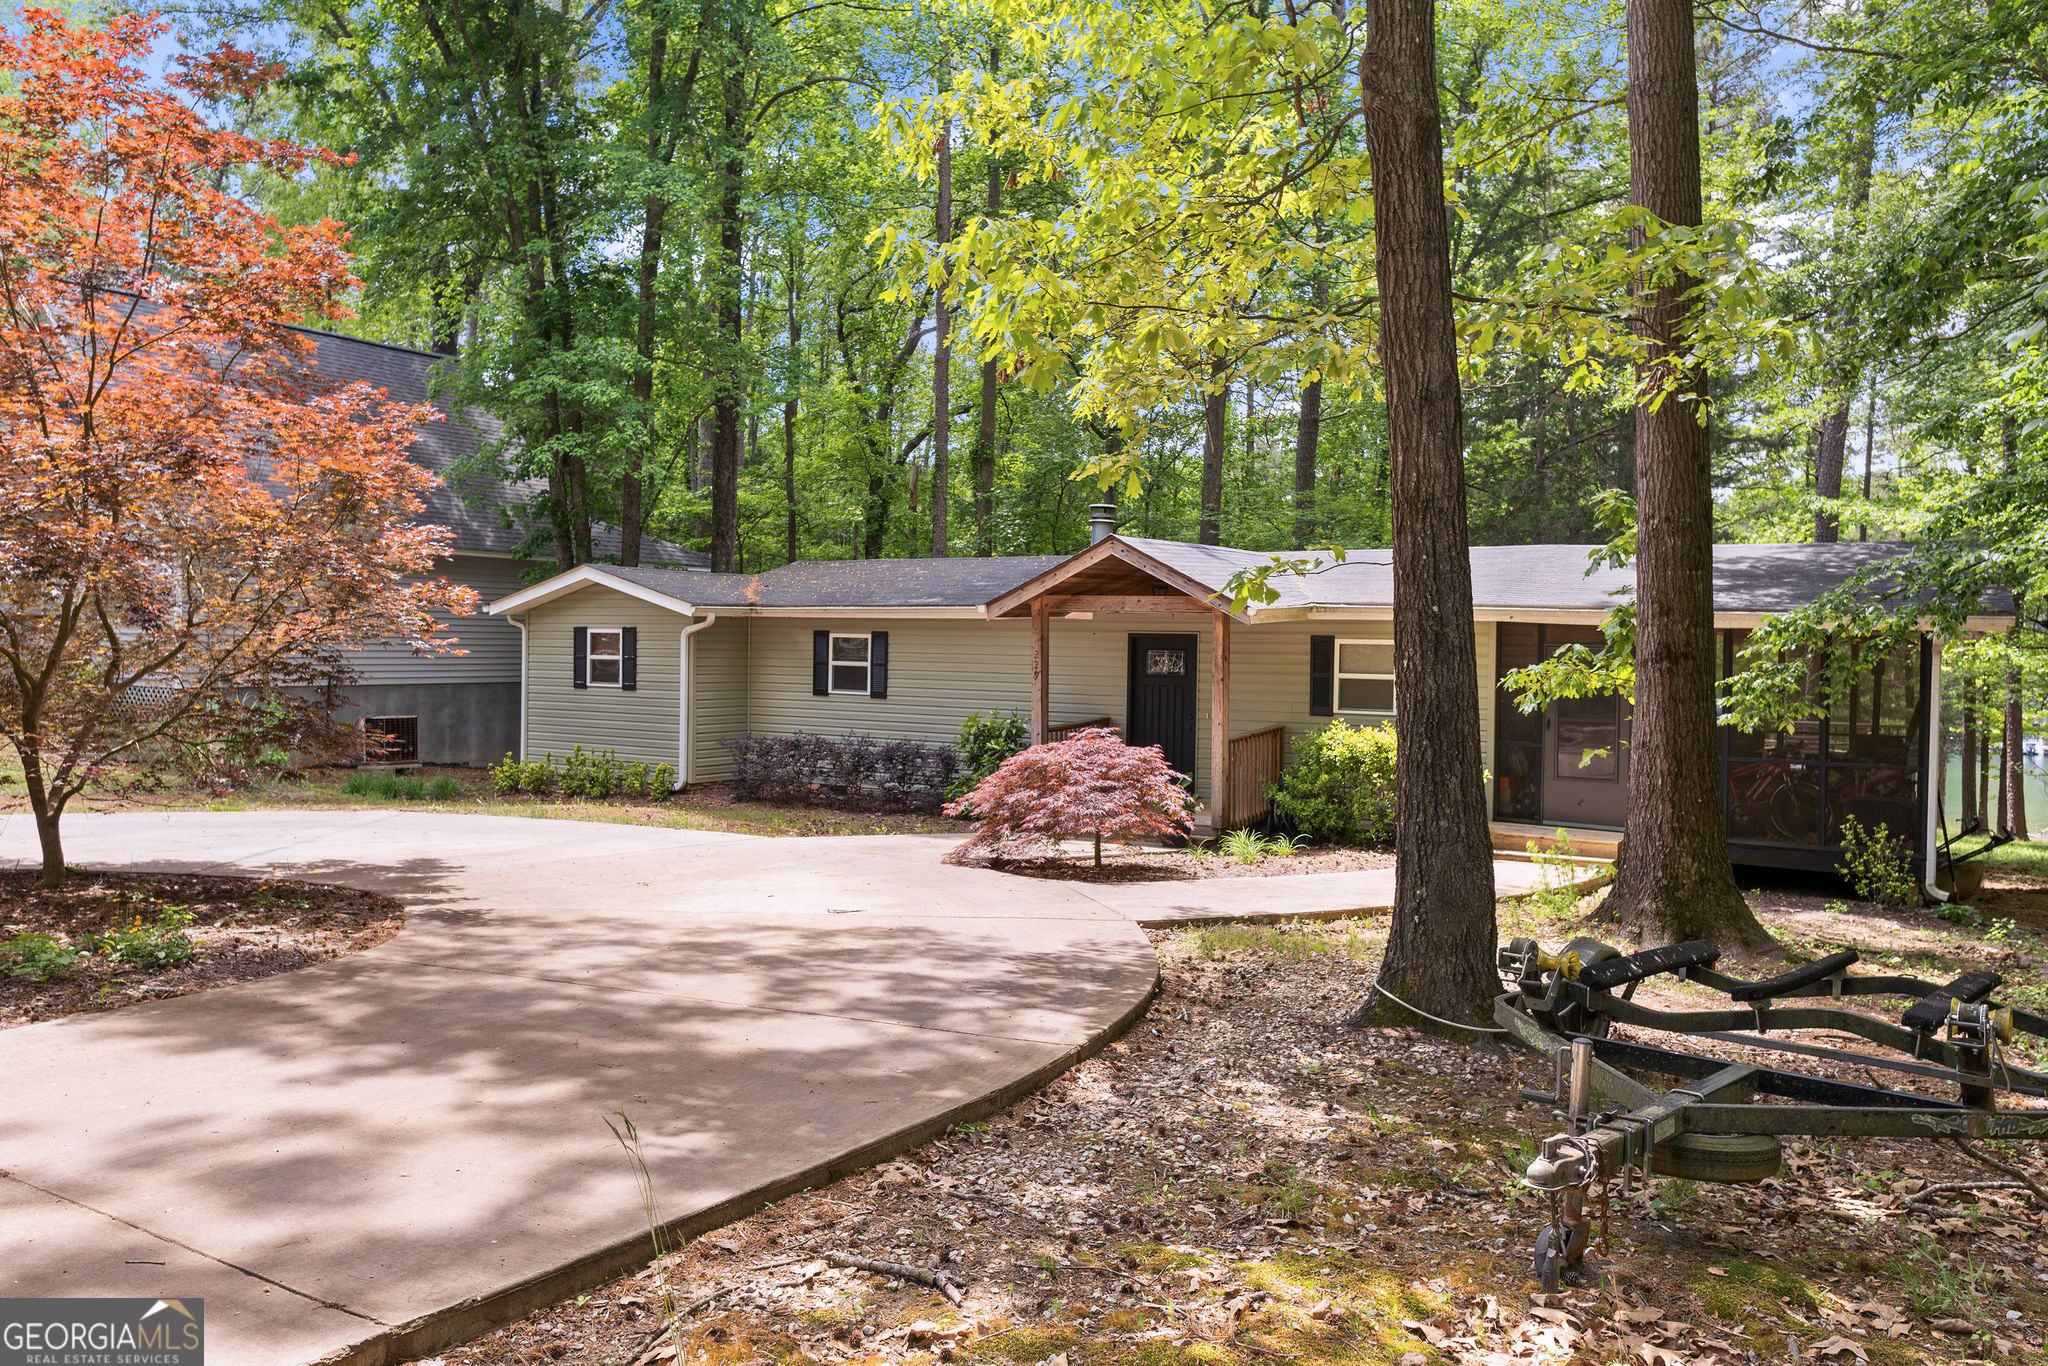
x=1560, y=1251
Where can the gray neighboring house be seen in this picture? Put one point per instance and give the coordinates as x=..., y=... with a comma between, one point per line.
x=452, y=708
x=666, y=666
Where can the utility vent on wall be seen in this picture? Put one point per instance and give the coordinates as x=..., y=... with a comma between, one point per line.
x=391, y=739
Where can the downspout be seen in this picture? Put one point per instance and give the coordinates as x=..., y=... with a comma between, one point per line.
x=1932, y=768
x=683, y=707
x=519, y=621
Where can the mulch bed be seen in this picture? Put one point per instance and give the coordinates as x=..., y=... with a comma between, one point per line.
x=1243, y=1180
x=241, y=929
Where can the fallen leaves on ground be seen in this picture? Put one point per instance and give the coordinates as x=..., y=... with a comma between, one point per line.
x=1243, y=1179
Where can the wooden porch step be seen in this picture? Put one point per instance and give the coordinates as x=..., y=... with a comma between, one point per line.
x=1512, y=840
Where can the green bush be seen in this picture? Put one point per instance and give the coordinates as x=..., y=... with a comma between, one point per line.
x=986, y=739
x=532, y=777
x=157, y=942
x=38, y=957
x=585, y=774
x=444, y=789
x=1340, y=784
x=1878, y=864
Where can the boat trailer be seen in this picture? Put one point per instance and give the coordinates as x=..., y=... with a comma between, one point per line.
x=1711, y=1126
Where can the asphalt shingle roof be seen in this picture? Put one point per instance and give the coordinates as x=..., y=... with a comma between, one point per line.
x=1747, y=578
x=479, y=507
x=967, y=581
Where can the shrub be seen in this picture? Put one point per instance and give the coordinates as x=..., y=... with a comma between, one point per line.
x=1878, y=864
x=160, y=942
x=444, y=789
x=1091, y=785
x=986, y=739
x=512, y=776
x=850, y=770
x=38, y=957
x=1340, y=784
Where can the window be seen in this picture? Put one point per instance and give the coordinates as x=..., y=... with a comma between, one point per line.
x=607, y=657
x=1365, y=675
x=850, y=660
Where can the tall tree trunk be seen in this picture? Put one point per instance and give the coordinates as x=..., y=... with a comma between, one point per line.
x=1869, y=445
x=728, y=396
x=1831, y=439
x=942, y=345
x=1440, y=946
x=1215, y=410
x=1674, y=881
x=985, y=419
x=1830, y=454
x=1308, y=429
x=1984, y=777
x=1970, y=808
x=791, y=288
x=2012, y=767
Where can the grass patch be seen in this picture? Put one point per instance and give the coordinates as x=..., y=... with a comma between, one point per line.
x=1024, y=1346
x=1290, y=943
x=1744, y=1288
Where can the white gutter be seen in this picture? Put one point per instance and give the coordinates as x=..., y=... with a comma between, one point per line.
x=520, y=622
x=683, y=705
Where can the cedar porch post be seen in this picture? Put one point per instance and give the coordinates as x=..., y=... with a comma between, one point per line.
x=1219, y=720
x=1041, y=695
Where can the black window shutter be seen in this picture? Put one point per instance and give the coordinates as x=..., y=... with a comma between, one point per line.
x=821, y=662
x=629, y=657
x=1322, y=675
x=878, y=664
x=579, y=669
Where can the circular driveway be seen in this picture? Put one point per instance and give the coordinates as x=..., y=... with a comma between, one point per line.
x=373, y=1156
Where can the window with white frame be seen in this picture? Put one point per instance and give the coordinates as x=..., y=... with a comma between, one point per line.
x=851, y=658
x=1365, y=676
x=606, y=656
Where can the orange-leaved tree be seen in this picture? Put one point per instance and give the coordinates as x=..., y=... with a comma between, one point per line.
x=193, y=529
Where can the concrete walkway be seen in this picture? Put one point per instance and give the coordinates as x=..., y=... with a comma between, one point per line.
x=370, y=1158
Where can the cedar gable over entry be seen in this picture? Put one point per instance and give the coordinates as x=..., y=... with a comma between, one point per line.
x=1115, y=578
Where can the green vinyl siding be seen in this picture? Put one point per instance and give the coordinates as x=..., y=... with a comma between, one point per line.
x=718, y=696
x=488, y=645
x=641, y=724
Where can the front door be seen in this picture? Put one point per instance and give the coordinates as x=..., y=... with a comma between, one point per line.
x=1585, y=761
x=1161, y=708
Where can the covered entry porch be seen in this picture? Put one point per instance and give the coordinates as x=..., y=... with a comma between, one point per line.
x=1176, y=646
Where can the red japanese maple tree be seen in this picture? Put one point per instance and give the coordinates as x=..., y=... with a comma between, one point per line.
x=1089, y=786
x=193, y=529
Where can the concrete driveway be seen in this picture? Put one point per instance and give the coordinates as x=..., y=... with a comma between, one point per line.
x=370, y=1158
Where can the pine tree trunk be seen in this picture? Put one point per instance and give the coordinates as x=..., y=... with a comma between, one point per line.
x=2012, y=767
x=1215, y=408
x=1969, y=746
x=728, y=392
x=1440, y=946
x=1308, y=432
x=791, y=289
x=1830, y=456
x=1674, y=881
x=942, y=351
x=985, y=419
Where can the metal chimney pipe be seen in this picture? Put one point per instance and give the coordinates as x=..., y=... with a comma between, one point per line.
x=1101, y=522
